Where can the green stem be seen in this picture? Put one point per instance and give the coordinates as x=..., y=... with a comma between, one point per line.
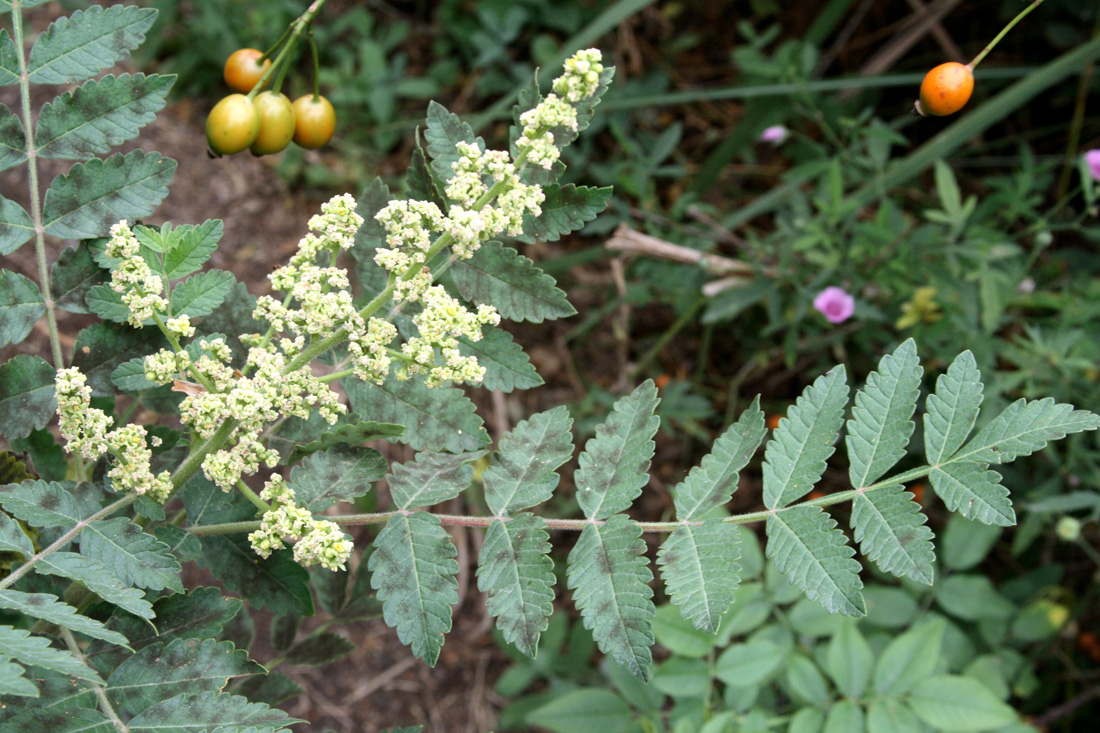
x=251, y=495
x=291, y=36
x=105, y=705
x=193, y=462
x=997, y=39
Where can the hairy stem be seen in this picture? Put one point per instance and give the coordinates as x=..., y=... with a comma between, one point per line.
x=101, y=695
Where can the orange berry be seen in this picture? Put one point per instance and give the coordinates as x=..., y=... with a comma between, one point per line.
x=945, y=89
x=815, y=495
x=918, y=493
x=773, y=421
x=662, y=381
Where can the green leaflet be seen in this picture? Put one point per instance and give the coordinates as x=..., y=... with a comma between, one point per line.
x=807, y=547
x=161, y=671
x=414, y=570
x=951, y=411
x=609, y=575
x=520, y=291
x=713, y=481
x=431, y=478
x=700, y=565
x=319, y=649
x=137, y=558
x=21, y=305
x=369, y=238
x=97, y=578
x=98, y=115
x=43, y=503
x=73, y=274
x=975, y=492
x=211, y=711
x=957, y=703
x=340, y=473
x=909, y=658
x=52, y=610
x=516, y=572
x=436, y=419
x=850, y=661
x=27, y=398
x=17, y=225
x=102, y=347
x=13, y=681
x=1024, y=427
x=523, y=473
x=186, y=248
x=202, y=293
x=29, y=650
x=13, y=141
x=586, y=710
x=92, y=196
x=566, y=209
x=13, y=538
x=795, y=457
x=881, y=421
x=79, y=46
x=350, y=433
x=890, y=528
x=9, y=60
x=445, y=129
x=507, y=367
x=615, y=464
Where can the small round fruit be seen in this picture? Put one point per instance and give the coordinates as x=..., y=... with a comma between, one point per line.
x=233, y=125
x=276, y=123
x=316, y=121
x=243, y=69
x=946, y=89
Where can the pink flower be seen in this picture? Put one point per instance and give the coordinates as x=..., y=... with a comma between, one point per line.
x=775, y=134
x=1092, y=160
x=835, y=304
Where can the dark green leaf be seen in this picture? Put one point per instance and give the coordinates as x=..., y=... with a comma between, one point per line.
x=270, y=689
x=445, y=130
x=201, y=294
x=102, y=347
x=506, y=366
x=36, y=650
x=99, y=114
x=234, y=318
x=13, y=538
x=701, y=567
x=436, y=419
x=615, y=464
x=73, y=275
x=806, y=545
x=77, y=47
x=92, y=196
x=566, y=209
x=130, y=377
x=524, y=472
x=184, y=545
x=348, y=434
x=13, y=141
x=319, y=649
x=135, y=557
x=503, y=277
x=9, y=58
x=516, y=572
x=27, y=397
x=431, y=478
x=52, y=610
x=43, y=503
x=369, y=238
x=211, y=711
x=189, y=246
x=103, y=301
x=12, y=681
x=420, y=181
x=21, y=305
x=47, y=457
x=889, y=527
x=16, y=226
x=97, y=578
x=414, y=570
x=341, y=473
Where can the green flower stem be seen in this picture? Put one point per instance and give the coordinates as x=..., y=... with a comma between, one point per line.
x=175, y=344
x=193, y=462
x=997, y=39
x=65, y=538
x=289, y=41
x=251, y=495
x=335, y=375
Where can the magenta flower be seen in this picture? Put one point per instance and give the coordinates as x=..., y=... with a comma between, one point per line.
x=775, y=134
x=835, y=304
x=1092, y=160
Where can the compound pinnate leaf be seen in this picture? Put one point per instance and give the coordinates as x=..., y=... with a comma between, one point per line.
x=713, y=481
x=211, y=711
x=161, y=671
x=98, y=115
x=881, y=421
x=92, y=196
x=701, y=567
x=27, y=397
x=97, y=578
x=795, y=457
x=1024, y=427
x=507, y=367
x=566, y=209
x=609, y=576
x=445, y=129
x=17, y=226
x=615, y=464
x=516, y=572
x=958, y=703
x=51, y=610
x=807, y=547
x=950, y=411
x=431, y=478
x=524, y=472
x=974, y=491
x=276, y=582
x=889, y=527
x=13, y=140
x=436, y=419
x=135, y=557
x=21, y=305
x=520, y=291
x=341, y=473
x=43, y=503
x=414, y=571
x=19, y=645
x=77, y=47
x=201, y=294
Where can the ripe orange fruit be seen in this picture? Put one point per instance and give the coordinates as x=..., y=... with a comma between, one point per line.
x=945, y=89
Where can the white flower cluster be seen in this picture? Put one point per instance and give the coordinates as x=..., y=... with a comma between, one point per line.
x=318, y=540
x=85, y=430
x=132, y=279
x=558, y=110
